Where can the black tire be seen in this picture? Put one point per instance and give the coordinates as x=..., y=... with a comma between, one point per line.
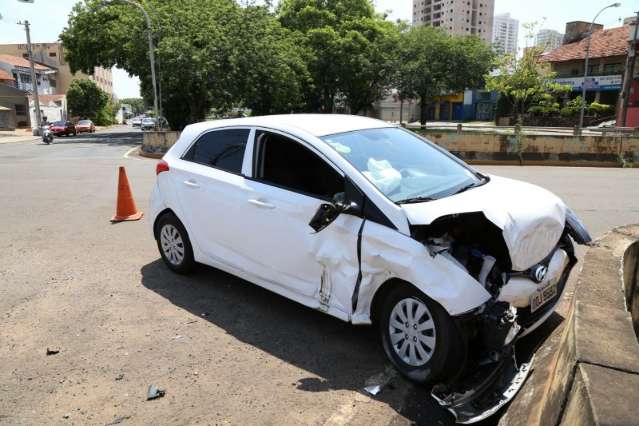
x=187, y=262
x=447, y=358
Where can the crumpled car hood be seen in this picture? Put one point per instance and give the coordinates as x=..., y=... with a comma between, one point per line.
x=531, y=218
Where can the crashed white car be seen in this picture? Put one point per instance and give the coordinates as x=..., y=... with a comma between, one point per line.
x=371, y=223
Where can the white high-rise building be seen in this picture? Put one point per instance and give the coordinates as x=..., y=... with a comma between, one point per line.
x=548, y=39
x=457, y=17
x=505, y=34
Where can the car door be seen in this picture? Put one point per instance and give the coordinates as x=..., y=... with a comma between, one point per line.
x=290, y=181
x=209, y=183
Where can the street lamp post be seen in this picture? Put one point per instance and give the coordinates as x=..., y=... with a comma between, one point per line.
x=151, y=54
x=583, y=86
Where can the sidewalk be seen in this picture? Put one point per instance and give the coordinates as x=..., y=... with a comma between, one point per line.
x=15, y=139
x=18, y=135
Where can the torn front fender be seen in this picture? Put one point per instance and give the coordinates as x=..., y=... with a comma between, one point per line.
x=388, y=254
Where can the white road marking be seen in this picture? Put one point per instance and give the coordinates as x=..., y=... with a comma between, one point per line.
x=129, y=152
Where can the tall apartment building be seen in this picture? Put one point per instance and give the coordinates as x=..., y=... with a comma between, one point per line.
x=52, y=55
x=548, y=39
x=505, y=34
x=457, y=17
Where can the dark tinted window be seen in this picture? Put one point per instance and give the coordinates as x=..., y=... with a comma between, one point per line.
x=287, y=163
x=222, y=149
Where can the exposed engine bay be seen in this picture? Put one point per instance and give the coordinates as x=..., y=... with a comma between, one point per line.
x=521, y=300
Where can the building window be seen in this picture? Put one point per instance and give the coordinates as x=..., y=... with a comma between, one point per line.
x=52, y=54
x=21, y=109
x=613, y=68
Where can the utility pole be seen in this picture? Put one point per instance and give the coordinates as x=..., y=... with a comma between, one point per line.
x=629, y=74
x=151, y=49
x=34, y=81
x=583, y=87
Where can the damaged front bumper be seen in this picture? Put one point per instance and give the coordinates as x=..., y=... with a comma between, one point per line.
x=493, y=375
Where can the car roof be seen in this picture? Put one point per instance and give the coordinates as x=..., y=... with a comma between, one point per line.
x=316, y=124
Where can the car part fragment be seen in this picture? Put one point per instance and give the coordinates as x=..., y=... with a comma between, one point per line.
x=490, y=389
x=576, y=228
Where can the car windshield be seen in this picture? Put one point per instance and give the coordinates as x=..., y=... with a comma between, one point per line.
x=59, y=123
x=401, y=165
x=84, y=122
x=148, y=120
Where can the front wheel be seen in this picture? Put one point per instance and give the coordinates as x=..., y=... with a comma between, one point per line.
x=174, y=244
x=419, y=337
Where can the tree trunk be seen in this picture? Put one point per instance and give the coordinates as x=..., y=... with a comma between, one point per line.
x=422, y=111
x=401, y=111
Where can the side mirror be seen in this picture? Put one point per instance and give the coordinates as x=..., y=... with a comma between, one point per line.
x=328, y=212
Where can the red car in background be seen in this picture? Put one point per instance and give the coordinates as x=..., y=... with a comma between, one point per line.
x=85, y=126
x=60, y=128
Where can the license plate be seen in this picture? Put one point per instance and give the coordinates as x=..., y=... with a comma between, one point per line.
x=540, y=297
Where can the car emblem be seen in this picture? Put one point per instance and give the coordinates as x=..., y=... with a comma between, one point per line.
x=539, y=273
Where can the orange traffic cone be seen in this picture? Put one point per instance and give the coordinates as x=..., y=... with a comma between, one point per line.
x=126, y=209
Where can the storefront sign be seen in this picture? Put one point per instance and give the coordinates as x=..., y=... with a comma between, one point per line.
x=597, y=83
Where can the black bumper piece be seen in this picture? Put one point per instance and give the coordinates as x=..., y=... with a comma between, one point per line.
x=483, y=393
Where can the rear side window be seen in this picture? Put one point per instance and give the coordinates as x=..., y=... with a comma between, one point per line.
x=222, y=149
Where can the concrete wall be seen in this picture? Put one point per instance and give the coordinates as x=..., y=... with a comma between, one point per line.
x=593, y=373
x=155, y=144
x=560, y=150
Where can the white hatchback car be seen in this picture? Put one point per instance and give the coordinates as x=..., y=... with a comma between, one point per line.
x=371, y=223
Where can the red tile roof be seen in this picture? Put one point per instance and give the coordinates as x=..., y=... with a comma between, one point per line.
x=5, y=75
x=605, y=43
x=17, y=61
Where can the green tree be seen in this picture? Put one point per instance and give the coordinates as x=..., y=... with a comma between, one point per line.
x=350, y=50
x=367, y=54
x=137, y=105
x=213, y=54
x=271, y=63
x=431, y=63
x=524, y=81
x=85, y=99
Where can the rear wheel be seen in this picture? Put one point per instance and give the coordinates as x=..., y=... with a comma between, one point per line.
x=174, y=244
x=419, y=337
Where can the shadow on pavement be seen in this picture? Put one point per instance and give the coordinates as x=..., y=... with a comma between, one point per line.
x=341, y=355
x=115, y=138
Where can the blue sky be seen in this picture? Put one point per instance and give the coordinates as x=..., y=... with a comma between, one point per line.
x=48, y=18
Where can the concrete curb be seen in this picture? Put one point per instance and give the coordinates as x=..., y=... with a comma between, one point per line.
x=591, y=368
x=153, y=155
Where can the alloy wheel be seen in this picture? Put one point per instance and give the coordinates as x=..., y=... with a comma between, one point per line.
x=172, y=244
x=412, y=332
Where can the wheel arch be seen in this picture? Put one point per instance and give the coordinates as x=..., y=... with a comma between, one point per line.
x=164, y=212
x=382, y=291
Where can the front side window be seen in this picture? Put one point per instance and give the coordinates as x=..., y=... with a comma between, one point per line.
x=402, y=166
x=288, y=164
x=222, y=149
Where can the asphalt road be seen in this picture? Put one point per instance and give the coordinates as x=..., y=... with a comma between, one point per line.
x=224, y=350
